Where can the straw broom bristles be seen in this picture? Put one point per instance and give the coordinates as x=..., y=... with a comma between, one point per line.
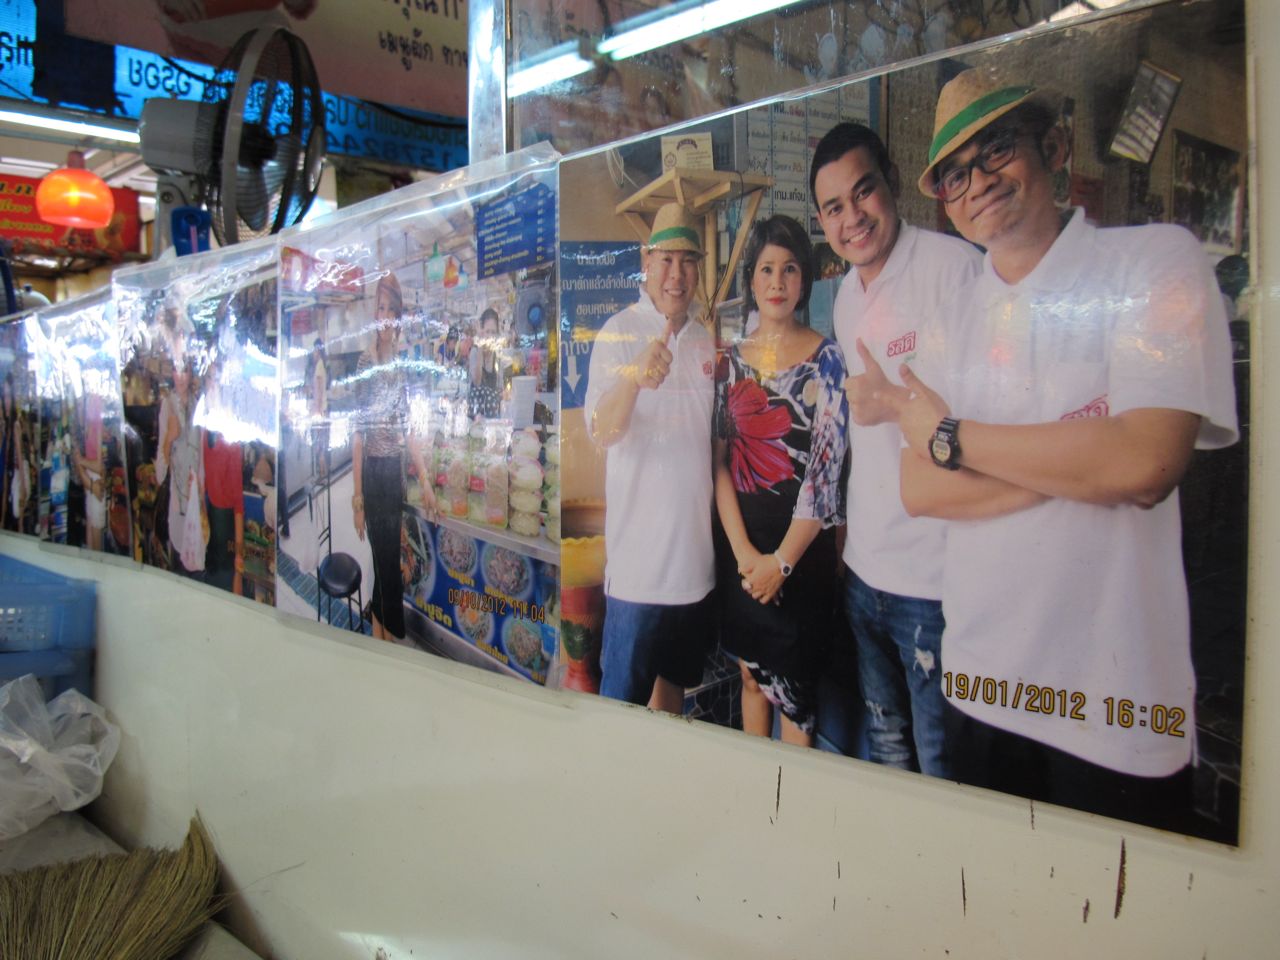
x=143, y=905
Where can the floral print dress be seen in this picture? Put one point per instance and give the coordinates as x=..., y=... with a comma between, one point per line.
x=786, y=436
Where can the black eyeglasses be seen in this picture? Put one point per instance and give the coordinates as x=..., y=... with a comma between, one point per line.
x=995, y=155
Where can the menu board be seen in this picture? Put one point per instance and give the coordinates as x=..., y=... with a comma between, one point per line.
x=516, y=232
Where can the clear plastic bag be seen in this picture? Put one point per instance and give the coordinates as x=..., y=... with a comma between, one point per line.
x=52, y=756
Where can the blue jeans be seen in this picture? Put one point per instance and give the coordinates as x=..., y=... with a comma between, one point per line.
x=644, y=641
x=899, y=643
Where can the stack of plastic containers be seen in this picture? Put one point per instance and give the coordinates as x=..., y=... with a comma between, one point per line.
x=47, y=627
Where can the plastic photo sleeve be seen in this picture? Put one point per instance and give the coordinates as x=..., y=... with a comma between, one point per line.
x=82, y=431
x=420, y=477
x=19, y=424
x=736, y=323
x=200, y=387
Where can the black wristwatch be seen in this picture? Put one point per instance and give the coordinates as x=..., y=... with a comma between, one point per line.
x=944, y=448
x=785, y=567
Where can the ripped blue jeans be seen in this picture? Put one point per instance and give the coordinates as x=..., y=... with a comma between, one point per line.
x=899, y=643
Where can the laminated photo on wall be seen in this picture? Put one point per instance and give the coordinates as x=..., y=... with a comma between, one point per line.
x=20, y=455
x=967, y=501
x=82, y=474
x=420, y=414
x=200, y=387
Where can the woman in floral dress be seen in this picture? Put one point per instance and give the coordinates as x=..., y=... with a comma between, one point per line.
x=781, y=428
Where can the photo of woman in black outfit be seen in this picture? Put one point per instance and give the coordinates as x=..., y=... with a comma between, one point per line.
x=382, y=437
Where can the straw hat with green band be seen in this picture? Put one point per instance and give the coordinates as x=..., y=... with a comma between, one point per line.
x=675, y=229
x=967, y=104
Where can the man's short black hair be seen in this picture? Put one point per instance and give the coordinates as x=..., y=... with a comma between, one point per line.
x=781, y=231
x=838, y=141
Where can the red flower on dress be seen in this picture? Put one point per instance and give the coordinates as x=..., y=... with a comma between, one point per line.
x=756, y=457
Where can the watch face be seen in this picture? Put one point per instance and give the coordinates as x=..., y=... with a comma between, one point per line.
x=940, y=449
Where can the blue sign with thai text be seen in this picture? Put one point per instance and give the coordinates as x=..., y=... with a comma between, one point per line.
x=597, y=279
x=516, y=232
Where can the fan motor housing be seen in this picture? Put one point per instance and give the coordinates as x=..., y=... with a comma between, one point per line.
x=178, y=136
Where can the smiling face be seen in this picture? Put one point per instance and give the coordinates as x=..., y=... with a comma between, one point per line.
x=671, y=280
x=1012, y=208
x=857, y=210
x=777, y=283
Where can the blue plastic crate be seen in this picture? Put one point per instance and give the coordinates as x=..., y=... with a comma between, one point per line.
x=42, y=610
x=56, y=670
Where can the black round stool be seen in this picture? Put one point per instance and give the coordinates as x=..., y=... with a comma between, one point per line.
x=338, y=576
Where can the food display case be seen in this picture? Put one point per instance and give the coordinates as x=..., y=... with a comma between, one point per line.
x=421, y=418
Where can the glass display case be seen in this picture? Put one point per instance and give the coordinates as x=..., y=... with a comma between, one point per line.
x=82, y=474
x=873, y=249
x=200, y=391
x=20, y=452
x=421, y=418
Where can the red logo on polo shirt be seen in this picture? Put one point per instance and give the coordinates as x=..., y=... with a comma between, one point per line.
x=1094, y=408
x=904, y=344
x=706, y=368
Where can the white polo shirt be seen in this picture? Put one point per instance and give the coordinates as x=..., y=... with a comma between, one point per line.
x=1087, y=601
x=658, y=478
x=887, y=549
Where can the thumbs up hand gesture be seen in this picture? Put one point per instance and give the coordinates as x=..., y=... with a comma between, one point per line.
x=918, y=410
x=871, y=395
x=654, y=363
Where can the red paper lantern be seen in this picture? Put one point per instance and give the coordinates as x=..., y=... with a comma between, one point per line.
x=75, y=197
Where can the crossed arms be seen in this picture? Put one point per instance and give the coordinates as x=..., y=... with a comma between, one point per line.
x=1133, y=458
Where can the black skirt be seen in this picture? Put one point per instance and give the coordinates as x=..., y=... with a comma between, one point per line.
x=791, y=637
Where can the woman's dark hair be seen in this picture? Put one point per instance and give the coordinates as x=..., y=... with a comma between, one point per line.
x=781, y=231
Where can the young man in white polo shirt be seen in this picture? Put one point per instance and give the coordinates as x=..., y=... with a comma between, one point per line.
x=649, y=400
x=1085, y=367
x=900, y=277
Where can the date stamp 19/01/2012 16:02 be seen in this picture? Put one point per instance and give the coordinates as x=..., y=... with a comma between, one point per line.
x=1068, y=704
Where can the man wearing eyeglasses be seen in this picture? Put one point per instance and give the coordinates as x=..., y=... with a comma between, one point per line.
x=1052, y=436
x=899, y=277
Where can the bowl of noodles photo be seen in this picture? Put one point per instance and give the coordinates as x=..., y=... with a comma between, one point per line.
x=417, y=570
x=475, y=625
x=457, y=551
x=522, y=639
x=508, y=572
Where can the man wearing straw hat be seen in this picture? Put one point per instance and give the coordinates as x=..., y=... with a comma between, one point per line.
x=899, y=277
x=649, y=399
x=1082, y=368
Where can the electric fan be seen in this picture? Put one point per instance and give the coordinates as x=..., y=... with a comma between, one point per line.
x=251, y=151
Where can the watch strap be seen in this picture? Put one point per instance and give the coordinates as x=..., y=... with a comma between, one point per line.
x=944, y=447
